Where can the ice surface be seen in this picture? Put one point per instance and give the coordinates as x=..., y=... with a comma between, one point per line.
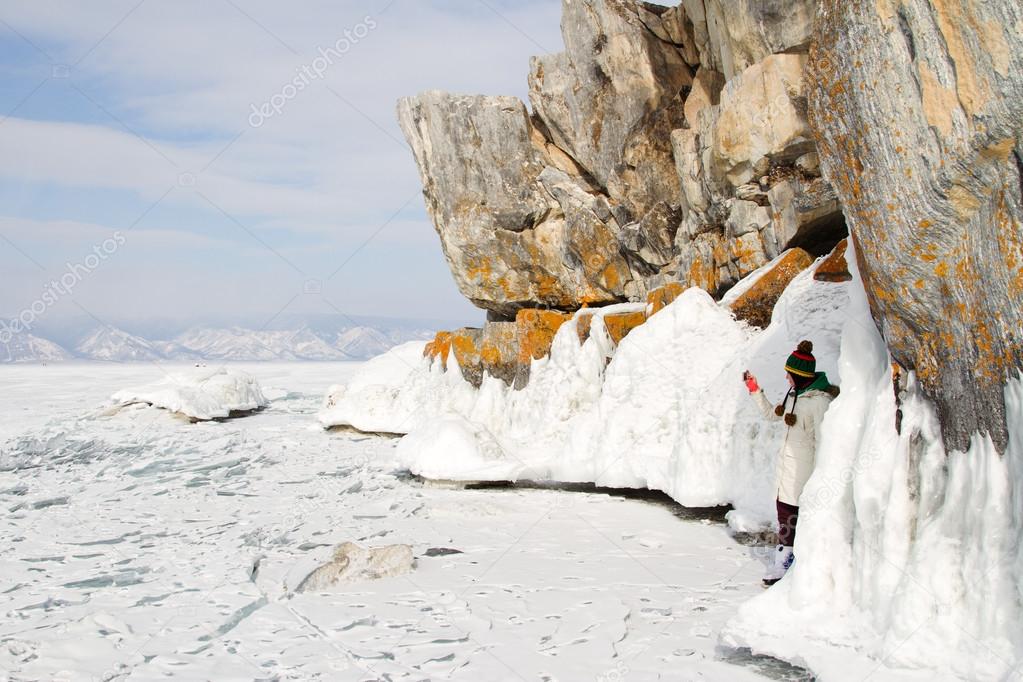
x=199, y=393
x=179, y=548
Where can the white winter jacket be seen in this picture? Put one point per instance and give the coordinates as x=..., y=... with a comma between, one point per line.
x=798, y=452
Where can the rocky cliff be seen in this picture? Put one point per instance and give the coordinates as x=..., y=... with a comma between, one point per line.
x=663, y=144
x=918, y=110
x=694, y=144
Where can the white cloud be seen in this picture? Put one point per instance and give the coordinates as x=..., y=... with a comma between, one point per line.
x=183, y=75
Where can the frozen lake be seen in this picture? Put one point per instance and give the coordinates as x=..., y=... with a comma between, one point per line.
x=137, y=546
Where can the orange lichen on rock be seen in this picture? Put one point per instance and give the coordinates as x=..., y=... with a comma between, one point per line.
x=744, y=256
x=834, y=268
x=702, y=275
x=757, y=303
x=535, y=333
x=619, y=325
x=499, y=350
x=662, y=297
x=440, y=347
x=466, y=346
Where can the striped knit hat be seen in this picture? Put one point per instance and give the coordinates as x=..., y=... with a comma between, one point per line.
x=802, y=363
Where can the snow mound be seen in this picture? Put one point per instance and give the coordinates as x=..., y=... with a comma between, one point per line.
x=202, y=394
x=367, y=401
x=452, y=447
x=352, y=563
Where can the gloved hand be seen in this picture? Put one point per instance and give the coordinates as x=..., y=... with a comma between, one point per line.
x=751, y=382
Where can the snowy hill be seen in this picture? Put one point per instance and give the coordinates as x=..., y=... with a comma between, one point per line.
x=238, y=344
x=363, y=342
x=172, y=350
x=301, y=342
x=115, y=345
x=27, y=348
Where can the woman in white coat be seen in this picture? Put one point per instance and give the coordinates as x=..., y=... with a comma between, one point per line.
x=803, y=410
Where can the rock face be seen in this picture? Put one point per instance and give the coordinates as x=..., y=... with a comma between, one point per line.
x=696, y=143
x=734, y=34
x=930, y=177
x=611, y=100
x=511, y=239
x=654, y=151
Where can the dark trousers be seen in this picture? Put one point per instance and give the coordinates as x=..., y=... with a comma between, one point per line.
x=788, y=516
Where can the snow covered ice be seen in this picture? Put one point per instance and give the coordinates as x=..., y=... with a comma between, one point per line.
x=139, y=547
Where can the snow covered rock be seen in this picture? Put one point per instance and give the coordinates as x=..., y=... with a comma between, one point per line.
x=453, y=448
x=352, y=564
x=834, y=268
x=201, y=394
x=756, y=304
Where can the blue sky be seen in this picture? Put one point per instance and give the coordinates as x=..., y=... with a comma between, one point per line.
x=136, y=117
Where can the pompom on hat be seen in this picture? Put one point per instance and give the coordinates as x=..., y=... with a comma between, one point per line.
x=802, y=363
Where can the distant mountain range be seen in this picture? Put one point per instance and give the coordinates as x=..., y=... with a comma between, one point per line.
x=205, y=343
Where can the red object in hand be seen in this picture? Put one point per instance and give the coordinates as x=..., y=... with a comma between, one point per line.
x=751, y=383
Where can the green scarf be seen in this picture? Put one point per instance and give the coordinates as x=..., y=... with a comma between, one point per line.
x=820, y=383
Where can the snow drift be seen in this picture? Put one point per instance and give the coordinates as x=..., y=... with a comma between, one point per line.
x=202, y=394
